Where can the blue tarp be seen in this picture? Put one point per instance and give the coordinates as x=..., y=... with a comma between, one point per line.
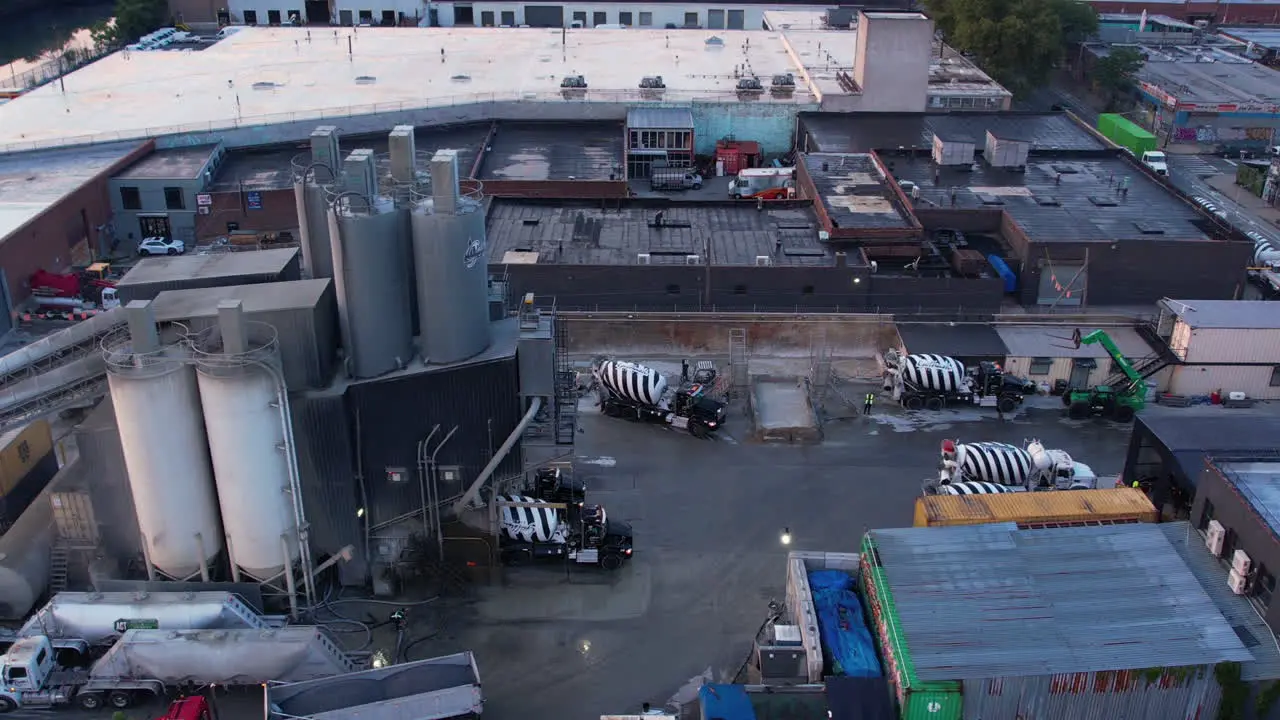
x=841, y=625
x=725, y=702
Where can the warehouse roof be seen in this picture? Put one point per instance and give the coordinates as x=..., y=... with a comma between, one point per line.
x=990, y=601
x=32, y=182
x=1225, y=314
x=659, y=119
x=284, y=74
x=960, y=340
x=863, y=132
x=262, y=297
x=554, y=151
x=183, y=163
x=1264, y=37
x=855, y=192
x=1258, y=482
x=1226, y=79
x=568, y=233
x=1063, y=200
x=1054, y=341
x=182, y=267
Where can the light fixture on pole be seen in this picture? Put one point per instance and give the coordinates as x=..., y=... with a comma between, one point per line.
x=786, y=536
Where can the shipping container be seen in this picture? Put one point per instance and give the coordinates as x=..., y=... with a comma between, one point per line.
x=953, y=150
x=917, y=700
x=152, y=276
x=1006, y=152
x=27, y=464
x=1037, y=509
x=1125, y=133
x=735, y=155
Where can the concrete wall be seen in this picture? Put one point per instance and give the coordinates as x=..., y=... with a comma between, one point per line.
x=182, y=222
x=892, y=65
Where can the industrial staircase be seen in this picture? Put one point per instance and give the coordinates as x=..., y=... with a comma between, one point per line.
x=59, y=567
x=1148, y=365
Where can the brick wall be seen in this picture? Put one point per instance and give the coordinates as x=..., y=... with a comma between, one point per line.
x=279, y=212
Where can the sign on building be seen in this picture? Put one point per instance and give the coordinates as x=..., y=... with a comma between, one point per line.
x=204, y=199
x=254, y=200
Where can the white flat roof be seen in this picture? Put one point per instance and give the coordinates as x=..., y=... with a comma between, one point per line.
x=310, y=74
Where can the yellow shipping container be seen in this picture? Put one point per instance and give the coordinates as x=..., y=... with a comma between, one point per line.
x=21, y=450
x=1057, y=508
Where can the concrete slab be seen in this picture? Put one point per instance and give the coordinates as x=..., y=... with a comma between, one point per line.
x=781, y=411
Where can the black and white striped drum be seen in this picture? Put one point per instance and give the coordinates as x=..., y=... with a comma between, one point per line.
x=976, y=488
x=933, y=372
x=632, y=381
x=992, y=462
x=529, y=524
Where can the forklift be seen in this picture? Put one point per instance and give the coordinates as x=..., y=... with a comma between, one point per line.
x=1118, y=402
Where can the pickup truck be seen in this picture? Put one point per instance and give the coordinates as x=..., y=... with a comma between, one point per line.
x=675, y=179
x=1157, y=161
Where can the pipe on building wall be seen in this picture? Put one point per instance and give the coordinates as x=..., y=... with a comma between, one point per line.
x=489, y=469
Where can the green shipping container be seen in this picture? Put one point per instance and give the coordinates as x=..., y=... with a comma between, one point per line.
x=1126, y=134
x=916, y=700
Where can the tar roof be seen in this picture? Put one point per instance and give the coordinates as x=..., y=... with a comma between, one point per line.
x=32, y=182
x=854, y=191
x=1211, y=430
x=1051, y=341
x=262, y=297
x=1018, y=603
x=184, y=163
x=288, y=74
x=1259, y=484
x=967, y=341
x=554, y=151
x=182, y=267
x=1060, y=200
x=583, y=234
x=863, y=132
x=1226, y=314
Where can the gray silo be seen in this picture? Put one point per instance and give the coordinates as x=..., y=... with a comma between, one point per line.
x=452, y=263
x=398, y=182
x=369, y=273
x=312, y=173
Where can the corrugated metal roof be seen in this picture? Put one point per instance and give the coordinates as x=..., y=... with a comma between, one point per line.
x=953, y=340
x=203, y=302
x=1233, y=314
x=1055, y=342
x=182, y=267
x=659, y=119
x=994, y=601
x=1238, y=611
x=1037, y=507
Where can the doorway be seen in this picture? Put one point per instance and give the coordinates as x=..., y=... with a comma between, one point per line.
x=464, y=15
x=317, y=12
x=1081, y=369
x=155, y=226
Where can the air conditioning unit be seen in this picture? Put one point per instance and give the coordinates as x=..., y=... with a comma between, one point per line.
x=1214, y=538
x=691, y=259
x=1237, y=582
x=1241, y=563
x=763, y=261
x=642, y=258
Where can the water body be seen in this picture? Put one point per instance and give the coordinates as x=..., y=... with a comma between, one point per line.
x=29, y=34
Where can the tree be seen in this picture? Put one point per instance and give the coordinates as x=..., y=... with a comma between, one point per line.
x=1113, y=74
x=135, y=18
x=103, y=34
x=1016, y=41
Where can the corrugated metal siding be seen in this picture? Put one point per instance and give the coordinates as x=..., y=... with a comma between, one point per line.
x=397, y=413
x=1095, y=696
x=1076, y=506
x=1255, y=380
x=292, y=270
x=306, y=338
x=98, y=440
x=330, y=492
x=1233, y=345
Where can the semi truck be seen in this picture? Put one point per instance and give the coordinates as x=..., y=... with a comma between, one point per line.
x=767, y=183
x=637, y=392
x=535, y=530
x=146, y=662
x=938, y=381
x=1126, y=134
x=1005, y=465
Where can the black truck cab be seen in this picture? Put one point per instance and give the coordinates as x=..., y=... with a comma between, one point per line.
x=693, y=401
x=558, y=486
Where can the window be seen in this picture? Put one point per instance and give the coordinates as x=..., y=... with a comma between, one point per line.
x=130, y=198
x=250, y=17
x=599, y=18
x=691, y=19
x=737, y=20
x=366, y=17
x=486, y=18
x=580, y=17
x=1040, y=366
x=673, y=289
x=1275, y=376
x=389, y=18
x=646, y=19
x=173, y=198
x=1229, y=545
x=739, y=289
x=806, y=290
x=624, y=18
x=1264, y=585
x=41, y=657
x=715, y=19
x=273, y=17
x=1206, y=515
x=509, y=18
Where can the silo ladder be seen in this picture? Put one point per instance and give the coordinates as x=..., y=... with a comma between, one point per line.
x=59, y=561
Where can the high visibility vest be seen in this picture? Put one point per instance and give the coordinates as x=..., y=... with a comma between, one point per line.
x=871, y=398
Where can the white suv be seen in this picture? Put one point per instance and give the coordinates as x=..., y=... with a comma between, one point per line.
x=161, y=246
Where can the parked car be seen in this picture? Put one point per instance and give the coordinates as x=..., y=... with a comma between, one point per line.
x=161, y=246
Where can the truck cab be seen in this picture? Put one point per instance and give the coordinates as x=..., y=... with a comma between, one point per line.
x=26, y=670
x=1157, y=161
x=555, y=485
x=692, y=401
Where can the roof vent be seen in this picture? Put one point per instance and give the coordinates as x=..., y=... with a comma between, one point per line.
x=714, y=41
x=267, y=85
x=988, y=199
x=1064, y=169
x=1148, y=228
x=1102, y=201
x=461, y=78
x=366, y=79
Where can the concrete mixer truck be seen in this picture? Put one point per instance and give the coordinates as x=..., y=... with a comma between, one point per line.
x=536, y=530
x=938, y=381
x=637, y=392
x=1002, y=464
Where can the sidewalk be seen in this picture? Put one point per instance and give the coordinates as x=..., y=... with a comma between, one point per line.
x=1226, y=184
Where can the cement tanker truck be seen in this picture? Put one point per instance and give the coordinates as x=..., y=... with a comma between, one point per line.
x=636, y=392
x=937, y=381
x=1005, y=465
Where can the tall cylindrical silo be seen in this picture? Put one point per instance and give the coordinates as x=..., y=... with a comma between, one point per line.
x=372, y=284
x=451, y=259
x=316, y=210
x=161, y=425
x=238, y=370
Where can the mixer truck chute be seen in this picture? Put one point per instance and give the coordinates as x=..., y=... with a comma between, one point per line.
x=638, y=392
x=535, y=530
x=937, y=381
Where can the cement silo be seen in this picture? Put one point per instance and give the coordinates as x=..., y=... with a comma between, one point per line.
x=157, y=404
x=452, y=263
x=369, y=273
x=246, y=418
x=313, y=173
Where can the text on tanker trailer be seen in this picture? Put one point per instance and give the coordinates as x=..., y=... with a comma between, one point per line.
x=936, y=381
x=638, y=392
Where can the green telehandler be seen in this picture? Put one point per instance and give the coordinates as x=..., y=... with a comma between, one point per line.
x=1119, y=402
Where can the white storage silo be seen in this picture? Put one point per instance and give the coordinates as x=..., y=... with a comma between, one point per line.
x=451, y=258
x=238, y=369
x=157, y=407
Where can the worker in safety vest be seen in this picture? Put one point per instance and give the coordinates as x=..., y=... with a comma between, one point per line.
x=866, y=405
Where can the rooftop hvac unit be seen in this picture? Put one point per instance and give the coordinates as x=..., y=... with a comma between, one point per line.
x=652, y=82
x=823, y=236
x=642, y=258
x=691, y=259
x=1241, y=563
x=1237, y=582
x=1214, y=537
x=764, y=260
x=574, y=81
x=750, y=85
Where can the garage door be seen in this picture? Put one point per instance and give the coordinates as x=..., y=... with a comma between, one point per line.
x=1062, y=285
x=551, y=16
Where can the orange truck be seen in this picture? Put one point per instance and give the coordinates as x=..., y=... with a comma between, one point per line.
x=1054, y=508
x=767, y=183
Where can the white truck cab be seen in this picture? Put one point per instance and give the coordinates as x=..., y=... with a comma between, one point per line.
x=26, y=670
x=1157, y=161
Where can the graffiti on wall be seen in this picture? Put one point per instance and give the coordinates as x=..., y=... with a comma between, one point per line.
x=1210, y=135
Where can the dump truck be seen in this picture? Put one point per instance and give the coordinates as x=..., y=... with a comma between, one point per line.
x=1110, y=506
x=637, y=392
x=534, y=530
x=1126, y=134
x=937, y=381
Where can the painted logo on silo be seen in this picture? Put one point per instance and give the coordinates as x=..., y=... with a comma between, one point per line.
x=475, y=251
